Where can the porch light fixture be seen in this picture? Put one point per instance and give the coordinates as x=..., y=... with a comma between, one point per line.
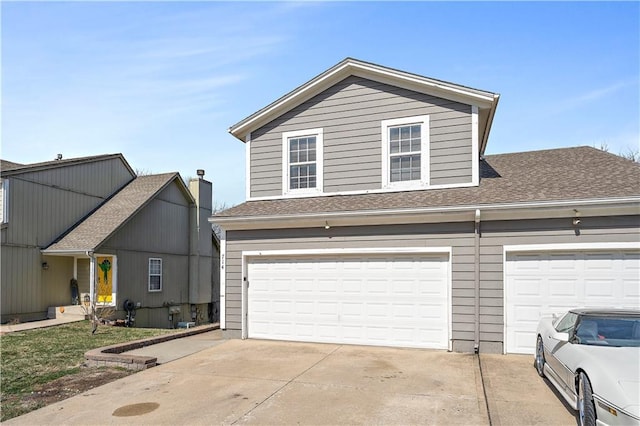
x=45, y=265
x=326, y=225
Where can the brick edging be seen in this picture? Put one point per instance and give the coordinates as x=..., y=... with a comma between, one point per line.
x=115, y=356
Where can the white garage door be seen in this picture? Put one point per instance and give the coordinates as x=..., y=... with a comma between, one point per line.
x=373, y=300
x=540, y=284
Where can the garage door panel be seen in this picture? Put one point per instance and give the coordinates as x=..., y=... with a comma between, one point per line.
x=563, y=287
x=631, y=290
x=380, y=300
x=541, y=284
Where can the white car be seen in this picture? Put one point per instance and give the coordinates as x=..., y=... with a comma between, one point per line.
x=592, y=356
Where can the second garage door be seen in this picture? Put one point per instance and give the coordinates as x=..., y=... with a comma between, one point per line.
x=541, y=284
x=396, y=300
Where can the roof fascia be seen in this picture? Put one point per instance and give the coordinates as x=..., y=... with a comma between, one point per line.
x=512, y=211
x=349, y=67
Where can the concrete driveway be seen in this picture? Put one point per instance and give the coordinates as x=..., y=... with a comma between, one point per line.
x=266, y=382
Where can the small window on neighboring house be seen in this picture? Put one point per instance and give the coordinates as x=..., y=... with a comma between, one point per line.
x=405, y=149
x=302, y=161
x=155, y=274
x=4, y=201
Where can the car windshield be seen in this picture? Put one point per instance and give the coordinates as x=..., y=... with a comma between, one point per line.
x=608, y=331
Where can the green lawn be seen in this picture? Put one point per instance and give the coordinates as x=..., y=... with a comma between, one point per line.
x=36, y=357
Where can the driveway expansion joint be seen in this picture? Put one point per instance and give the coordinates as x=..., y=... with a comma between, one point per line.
x=286, y=384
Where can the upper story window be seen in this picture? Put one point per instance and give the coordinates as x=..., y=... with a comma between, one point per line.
x=4, y=201
x=405, y=152
x=302, y=161
x=155, y=274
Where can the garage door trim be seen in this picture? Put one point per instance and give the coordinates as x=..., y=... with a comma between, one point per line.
x=247, y=255
x=547, y=248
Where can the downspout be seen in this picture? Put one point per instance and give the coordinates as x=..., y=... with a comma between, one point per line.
x=476, y=346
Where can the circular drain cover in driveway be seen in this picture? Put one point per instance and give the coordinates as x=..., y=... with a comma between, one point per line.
x=135, y=409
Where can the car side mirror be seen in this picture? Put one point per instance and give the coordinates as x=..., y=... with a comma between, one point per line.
x=562, y=337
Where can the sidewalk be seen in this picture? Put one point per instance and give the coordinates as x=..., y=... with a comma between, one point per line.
x=181, y=347
x=11, y=328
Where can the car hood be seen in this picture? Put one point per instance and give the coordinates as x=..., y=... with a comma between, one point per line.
x=614, y=373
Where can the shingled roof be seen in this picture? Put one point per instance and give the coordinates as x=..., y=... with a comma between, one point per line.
x=581, y=173
x=91, y=232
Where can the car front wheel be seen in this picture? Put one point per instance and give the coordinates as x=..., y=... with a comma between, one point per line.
x=540, y=357
x=586, y=409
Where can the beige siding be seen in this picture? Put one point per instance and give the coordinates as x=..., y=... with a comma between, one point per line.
x=459, y=236
x=56, y=281
x=350, y=114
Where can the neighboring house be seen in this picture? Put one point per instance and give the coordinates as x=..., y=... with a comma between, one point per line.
x=373, y=217
x=93, y=222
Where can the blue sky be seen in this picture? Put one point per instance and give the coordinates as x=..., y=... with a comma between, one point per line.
x=161, y=82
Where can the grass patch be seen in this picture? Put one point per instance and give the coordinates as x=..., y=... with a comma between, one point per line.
x=36, y=357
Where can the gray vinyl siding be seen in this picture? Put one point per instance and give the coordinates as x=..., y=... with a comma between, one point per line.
x=169, y=212
x=459, y=236
x=21, y=275
x=350, y=114
x=140, y=239
x=44, y=204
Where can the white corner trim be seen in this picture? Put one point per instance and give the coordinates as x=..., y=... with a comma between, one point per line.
x=223, y=279
x=318, y=190
x=475, y=153
x=247, y=165
x=425, y=159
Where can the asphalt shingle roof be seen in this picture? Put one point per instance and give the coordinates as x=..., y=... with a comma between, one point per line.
x=114, y=213
x=537, y=176
x=9, y=165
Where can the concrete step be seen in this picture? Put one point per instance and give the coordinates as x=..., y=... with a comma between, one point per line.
x=71, y=311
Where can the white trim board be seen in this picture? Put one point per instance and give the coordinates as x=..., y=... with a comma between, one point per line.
x=572, y=246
